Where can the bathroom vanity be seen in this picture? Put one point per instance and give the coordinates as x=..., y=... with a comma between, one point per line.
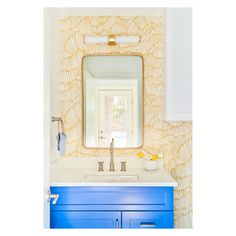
x=112, y=207
x=86, y=198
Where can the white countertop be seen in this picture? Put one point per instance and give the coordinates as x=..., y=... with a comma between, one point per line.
x=64, y=174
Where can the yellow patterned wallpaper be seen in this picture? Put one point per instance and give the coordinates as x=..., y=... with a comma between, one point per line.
x=174, y=139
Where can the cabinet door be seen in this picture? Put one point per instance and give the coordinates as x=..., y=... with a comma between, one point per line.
x=179, y=64
x=85, y=219
x=148, y=219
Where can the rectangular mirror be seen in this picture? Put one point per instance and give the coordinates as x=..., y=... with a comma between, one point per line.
x=112, y=101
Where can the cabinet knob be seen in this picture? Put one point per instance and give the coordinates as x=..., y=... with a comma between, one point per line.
x=117, y=224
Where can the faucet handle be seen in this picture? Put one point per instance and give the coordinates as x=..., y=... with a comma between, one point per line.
x=123, y=166
x=100, y=166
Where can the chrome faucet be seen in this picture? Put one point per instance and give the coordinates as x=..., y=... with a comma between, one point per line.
x=112, y=165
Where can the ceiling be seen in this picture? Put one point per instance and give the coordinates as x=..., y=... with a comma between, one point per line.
x=113, y=66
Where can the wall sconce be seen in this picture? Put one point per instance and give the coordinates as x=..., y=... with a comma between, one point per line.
x=111, y=40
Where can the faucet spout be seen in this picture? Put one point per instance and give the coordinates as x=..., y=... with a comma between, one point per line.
x=112, y=165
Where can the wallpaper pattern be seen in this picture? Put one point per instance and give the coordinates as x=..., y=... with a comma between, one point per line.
x=174, y=139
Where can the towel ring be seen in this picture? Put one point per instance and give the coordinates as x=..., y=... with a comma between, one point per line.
x=60, y=121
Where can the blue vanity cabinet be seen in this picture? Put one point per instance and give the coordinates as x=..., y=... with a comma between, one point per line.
x=112, y=207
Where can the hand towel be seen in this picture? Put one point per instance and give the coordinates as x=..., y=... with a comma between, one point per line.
x=61, y=143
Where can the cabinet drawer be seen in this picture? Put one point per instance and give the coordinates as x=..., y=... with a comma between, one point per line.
x=85, y=219
x=148, y=219
x=159, y=196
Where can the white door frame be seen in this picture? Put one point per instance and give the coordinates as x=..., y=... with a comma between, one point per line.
x=101, y=97
x=132, y=86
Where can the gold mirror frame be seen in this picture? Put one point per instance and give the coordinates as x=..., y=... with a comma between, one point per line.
x=83, y=99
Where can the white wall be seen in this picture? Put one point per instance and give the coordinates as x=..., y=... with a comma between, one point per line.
x=118, y=11
x=52, y=67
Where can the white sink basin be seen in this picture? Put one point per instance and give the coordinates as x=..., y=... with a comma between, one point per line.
x=111, y=178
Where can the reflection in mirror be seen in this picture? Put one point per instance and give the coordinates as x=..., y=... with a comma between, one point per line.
x=112, y=106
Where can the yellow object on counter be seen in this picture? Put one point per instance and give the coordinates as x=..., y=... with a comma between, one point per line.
x=154, y=157
x=140, y=154
x=144, y=154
